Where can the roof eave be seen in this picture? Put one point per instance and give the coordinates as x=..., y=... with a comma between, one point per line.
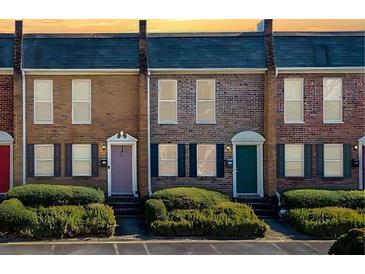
x=352, y=69
x=207, y=70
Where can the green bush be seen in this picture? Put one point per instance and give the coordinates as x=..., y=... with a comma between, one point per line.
x=53, y=195
x=71, y=221
x=226, y=219
x=313, y=198
x=155, y=210
x=327, y=221
x=189, y=198
x=351, y=243
x=15, y=218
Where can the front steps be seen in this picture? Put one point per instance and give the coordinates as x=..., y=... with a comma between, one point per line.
x=265, y=208
x=126, y=206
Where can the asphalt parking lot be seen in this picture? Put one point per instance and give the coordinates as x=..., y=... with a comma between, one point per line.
x=169, y=248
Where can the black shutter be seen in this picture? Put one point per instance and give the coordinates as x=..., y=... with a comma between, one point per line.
x=193, y=160
x=307, y=160
x=94, y=160
x=68, y=166
x=57, y=160
x=181, y=160
x=154, y=160
x=30, y=160
x=280, y=160
x=320, y=160
x=220, y=160
x=347, y=160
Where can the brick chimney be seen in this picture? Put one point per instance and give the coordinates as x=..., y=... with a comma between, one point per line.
x=269, y=111
x=18, y=104
x=142, y=157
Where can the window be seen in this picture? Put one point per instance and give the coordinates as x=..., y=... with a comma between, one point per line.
x=205, y=101
x=168, y=160
x=43, y=102
x=333, y=163
x=81, y=160
x=167, y=102
x=332, y=100
x=81, y=101
x=294, y=160
x=206, y=160
x=293, y=101
x=43, y=162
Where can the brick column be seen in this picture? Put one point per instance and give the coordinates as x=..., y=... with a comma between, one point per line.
x=142, y=154
x=269, y=113
x=17, y=105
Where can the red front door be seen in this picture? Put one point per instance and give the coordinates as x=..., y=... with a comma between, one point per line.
x=4, y=168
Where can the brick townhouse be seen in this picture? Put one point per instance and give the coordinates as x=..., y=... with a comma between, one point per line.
x=244, y=113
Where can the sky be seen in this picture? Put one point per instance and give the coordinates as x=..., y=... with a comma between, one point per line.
x=155, y=25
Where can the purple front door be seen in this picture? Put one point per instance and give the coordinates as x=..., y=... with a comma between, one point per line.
x=121, y=169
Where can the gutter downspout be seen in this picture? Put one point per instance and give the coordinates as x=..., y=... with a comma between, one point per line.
x=148, y=134
x=24, y=128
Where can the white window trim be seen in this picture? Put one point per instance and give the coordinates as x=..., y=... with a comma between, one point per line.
x=44, y=160
x=81, y=160
x=36, y=101
x=205, y=100
x=159, y=161
x=74, y=122
x=296, y=161
x=294, y=100
x=159, y=100
x=197, y=160
x=332, y=160
x=341, y=101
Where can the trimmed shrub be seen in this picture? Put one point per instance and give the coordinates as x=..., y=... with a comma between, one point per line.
x=224, y=220
x=155, y=210
x=15, y=218
x=327, y=221
x=189, y=198
x=351, y=243
x=53, y=195
x=71, y=221
x=313, y=198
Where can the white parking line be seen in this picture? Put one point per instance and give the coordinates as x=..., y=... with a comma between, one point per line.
x=116, y=249
x=146, y=249
x=214, y=248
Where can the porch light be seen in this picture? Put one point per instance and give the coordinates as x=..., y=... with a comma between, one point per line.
x=103, y=147
x=228, y=149
x=355, y=147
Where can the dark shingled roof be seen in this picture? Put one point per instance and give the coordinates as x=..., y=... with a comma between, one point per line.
x=239, y=51
x=81, y=51
x=319, y=49
x=6, y=50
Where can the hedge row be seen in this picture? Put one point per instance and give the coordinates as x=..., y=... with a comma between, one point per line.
x=224, y=220
x=313, y=198
x=351, y=243
x=189, y=198
x=184, y=212
x=56, y=221
x=327, y=221
x=53, y=195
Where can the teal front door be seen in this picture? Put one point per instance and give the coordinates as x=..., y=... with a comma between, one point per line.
x=246, y=169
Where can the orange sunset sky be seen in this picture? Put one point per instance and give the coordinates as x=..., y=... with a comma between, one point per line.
x=154, y=25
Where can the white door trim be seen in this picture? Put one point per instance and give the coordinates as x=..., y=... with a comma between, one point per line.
x=126, y=140
x=361, y=152
x=249, y=138
x=7, y=140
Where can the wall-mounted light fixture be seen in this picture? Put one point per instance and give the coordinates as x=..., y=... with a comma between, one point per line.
x=228, y=149
x=355, y=147
x=103, y=147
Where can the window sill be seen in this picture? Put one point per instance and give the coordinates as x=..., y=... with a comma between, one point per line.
x=334, y=122
x=291, y=123
x=206, y=123
x=165, y=123
x=35, y=123
x=77, y=123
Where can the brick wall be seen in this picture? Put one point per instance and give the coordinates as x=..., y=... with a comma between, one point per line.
x=239, y=107
x=314, y=131
x=6, y=104
x=114, y=108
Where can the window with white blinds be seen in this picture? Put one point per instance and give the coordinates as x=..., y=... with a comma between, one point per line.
x=205, y=101
x=43, y=102
x=81, y=101
x=167, y=102
x=293, y=100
